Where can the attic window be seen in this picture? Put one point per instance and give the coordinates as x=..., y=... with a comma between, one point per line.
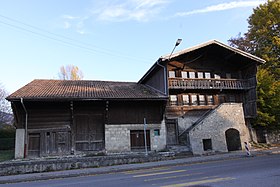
x=184, y=74
x=200, y=75
x=207, y=75
x=171, y=74
x=192, y=75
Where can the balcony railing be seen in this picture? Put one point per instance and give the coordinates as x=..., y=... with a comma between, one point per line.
x=186, y=83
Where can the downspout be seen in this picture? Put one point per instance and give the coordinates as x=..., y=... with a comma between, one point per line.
x=26, y=117
x=164, y=76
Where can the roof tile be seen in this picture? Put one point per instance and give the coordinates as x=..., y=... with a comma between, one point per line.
x=83, y=89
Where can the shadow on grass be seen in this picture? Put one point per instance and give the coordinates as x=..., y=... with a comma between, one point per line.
x=6, y=155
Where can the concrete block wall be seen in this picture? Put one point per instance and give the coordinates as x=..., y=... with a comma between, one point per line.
x=214, y=126
x=117, y=136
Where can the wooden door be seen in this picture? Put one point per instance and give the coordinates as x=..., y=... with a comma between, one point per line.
x=233, y=140
x=171, y=132
x=89, y=132
x=137, y=139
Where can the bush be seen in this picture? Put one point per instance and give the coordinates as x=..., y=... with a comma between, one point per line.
x=7, y=137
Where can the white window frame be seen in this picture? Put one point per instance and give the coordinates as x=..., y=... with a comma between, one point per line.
x=171, y=74
x=184, y=74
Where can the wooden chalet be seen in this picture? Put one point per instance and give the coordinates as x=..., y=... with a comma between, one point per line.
x=199, y=79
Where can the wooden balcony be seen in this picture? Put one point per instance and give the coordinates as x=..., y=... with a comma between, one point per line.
x=231, y=84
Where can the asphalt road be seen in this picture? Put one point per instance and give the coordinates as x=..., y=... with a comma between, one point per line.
x=251, y=171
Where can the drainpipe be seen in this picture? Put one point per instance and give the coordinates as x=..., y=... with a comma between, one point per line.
x=165, y=78
x=26, y=117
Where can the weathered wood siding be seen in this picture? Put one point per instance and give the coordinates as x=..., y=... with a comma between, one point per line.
x=156, y=79
x=127, y=112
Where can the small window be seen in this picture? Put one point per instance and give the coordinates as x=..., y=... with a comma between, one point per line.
x=207, y=75
x=210, y=100
x=173, y=99
x=184, y=74
x=207, y=144
x=202, y=100
x=200, y=75
x=186, y=99
x=216, y=76
x=231, y=99
x=194, y=99
x=171, y=74
x=228, y=75
x=192, y=75
x=157, y=132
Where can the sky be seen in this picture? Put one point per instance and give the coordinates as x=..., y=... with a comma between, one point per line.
x=110, y=40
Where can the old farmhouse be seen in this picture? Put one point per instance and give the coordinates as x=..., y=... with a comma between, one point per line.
x=202, y=98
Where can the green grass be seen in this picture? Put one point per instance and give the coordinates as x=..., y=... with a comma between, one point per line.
x=6, y=155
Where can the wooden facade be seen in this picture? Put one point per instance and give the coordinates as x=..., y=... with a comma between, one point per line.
x=201, y=78
x=65, y=127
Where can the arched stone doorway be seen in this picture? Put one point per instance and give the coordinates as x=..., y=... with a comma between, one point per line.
x=233, y=140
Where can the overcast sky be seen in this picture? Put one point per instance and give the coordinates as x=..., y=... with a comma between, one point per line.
x=107, y=39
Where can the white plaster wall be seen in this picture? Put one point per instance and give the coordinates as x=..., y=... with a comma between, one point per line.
x=214, y=126
x=117, y=137
x=19, y=144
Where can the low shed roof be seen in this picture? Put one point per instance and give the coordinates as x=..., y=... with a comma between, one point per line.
x=40, y=89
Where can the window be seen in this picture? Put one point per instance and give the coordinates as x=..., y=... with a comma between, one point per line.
x=194, y=99
x=216, y=76
x=186, y=99
x=171, y=74
x=192, y=75
x=184, y=74
x=200, y=75
x=157, y=132
x=210, y=100
x=173, y=99
x=202, y=100
x=231, y=99
x=207, y=75
x=228, y=75
x=207, y=144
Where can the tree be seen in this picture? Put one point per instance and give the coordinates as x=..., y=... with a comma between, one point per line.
x=5, y=107
x=70, y=72
x=263, y=39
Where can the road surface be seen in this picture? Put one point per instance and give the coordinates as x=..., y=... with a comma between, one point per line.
x=248, y=171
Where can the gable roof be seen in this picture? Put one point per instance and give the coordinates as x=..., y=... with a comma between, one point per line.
x=211, y=42
x=167, y=57
x=40, y=89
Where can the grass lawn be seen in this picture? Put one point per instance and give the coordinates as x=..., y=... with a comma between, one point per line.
x=6, y=155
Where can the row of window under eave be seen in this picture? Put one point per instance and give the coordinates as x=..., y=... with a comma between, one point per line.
x=199, y=75
x=191, y=100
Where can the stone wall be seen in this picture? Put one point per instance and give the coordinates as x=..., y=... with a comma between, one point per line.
x=117, y=137
x=60, y=163
x=214, y=126
x=273, y=137
x=185, y=122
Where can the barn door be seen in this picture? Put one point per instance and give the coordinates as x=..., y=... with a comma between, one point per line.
x=233, y=140
x=89, y=133
x=137, y=141
x=171, y=132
